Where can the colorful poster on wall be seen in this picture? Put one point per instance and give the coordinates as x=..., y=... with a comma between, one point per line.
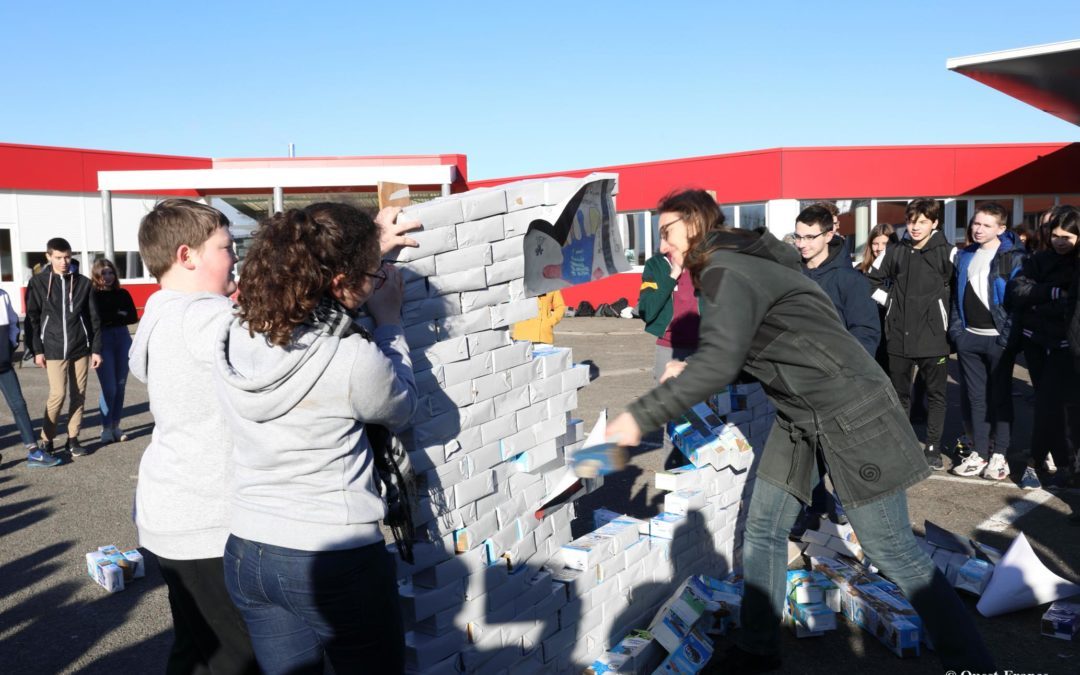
x=575, y=241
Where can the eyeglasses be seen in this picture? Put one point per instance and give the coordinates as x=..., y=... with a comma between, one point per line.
x=807, y=237
x=379, y=277
x=664, y=229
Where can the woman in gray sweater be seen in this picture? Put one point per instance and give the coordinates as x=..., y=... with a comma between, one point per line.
x=306, y=563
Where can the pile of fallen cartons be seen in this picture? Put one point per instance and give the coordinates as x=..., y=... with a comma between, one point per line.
x=875, y=605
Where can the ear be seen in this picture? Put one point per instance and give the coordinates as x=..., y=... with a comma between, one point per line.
x=337, y=287
x=184, y=255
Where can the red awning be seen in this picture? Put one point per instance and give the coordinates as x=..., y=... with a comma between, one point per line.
x=1044, y=76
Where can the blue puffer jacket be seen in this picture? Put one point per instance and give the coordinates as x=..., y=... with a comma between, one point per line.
x=850, y=294
x=1004, y=266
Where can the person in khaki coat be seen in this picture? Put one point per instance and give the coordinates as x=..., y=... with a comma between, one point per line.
x=542, y=328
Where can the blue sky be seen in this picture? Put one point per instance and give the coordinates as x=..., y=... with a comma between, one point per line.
x=519, y=88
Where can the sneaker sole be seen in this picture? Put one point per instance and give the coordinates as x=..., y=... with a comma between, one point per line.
x=968, y=474
x=40, y=465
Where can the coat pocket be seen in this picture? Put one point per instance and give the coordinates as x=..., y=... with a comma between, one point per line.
x=863, y=423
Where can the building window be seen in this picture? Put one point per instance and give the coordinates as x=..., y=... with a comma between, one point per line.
x=7, y=263
x=1034, y=208
x=635, y=237
x=752, y=216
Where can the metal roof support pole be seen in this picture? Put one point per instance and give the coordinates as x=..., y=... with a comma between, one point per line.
x=279, y=200
x=446, y=189
x=107, y=225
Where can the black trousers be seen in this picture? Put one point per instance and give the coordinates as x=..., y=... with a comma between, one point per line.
x=986, y=382
x=1056, y=425
x=209, y=635
x=934, y=371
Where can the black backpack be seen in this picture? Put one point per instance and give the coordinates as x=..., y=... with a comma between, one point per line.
x=607, y=310
x=585, y=308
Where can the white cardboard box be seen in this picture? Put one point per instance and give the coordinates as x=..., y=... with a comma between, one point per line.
x=470, y=369
x=513, y=400
x=417, y=270
x=468, y=280
x=490, y=386
x=512, y=312
x=505, y=270
x=505, y=358
x=463, y=259
x=483, y=203
x=431, y=242
x=428, y=309
x=486, y=341
x=483, y=231
x=435, y=214
x=493, y=295
x=464, y=324
x=508, y=249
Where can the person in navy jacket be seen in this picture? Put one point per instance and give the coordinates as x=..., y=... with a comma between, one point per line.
x=826, y=260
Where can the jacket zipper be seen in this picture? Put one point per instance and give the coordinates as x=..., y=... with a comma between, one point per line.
x=84, y=331
x=944, y=315
x=63, y=315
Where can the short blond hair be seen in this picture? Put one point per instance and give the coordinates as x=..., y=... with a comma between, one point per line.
x=174, y=223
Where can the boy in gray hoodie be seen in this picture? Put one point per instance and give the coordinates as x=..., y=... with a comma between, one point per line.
x=182, y=497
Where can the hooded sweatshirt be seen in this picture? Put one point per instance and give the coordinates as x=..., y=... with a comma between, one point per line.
x=304, y=471
x=850, y=294
x=182, y=497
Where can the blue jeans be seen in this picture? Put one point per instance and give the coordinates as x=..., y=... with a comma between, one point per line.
x=9, y=384
x=303, y=608
x=884, y=533
x=115, y=343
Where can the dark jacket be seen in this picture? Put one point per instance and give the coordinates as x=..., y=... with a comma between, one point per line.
x=655, y=306
x=763, y=318
x=1040, y=294
x=9, y=332
x=1003, y=268
x=917, y=301
x=114, y=308
x=60, y=320
x=850, y=294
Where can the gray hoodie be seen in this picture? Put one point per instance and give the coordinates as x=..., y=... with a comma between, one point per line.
x=304, y=474
x=181, y=500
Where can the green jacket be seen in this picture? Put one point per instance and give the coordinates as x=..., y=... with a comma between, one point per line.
x=655, y=306
x=762, y=317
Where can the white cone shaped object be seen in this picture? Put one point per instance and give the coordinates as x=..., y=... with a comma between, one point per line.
x=1021, y=581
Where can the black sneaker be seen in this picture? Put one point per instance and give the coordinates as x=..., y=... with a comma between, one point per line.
x=76, y=449
x=933, y=458
x=736, y=661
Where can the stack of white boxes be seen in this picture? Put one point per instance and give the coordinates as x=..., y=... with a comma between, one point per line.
x=489, y=443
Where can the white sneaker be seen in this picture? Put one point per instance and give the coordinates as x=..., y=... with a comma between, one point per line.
x=997, y=469
x=971, y=466
x=1050, y=466
x=107, y=436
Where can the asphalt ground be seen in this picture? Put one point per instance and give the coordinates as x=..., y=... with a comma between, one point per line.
x=54, y=619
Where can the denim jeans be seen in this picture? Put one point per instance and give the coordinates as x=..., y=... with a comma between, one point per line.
x=9, y=385
x=884, y=533
x=304, y=608
x=115, y=343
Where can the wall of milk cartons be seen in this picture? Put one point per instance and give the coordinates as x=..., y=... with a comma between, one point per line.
x=497, y=586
